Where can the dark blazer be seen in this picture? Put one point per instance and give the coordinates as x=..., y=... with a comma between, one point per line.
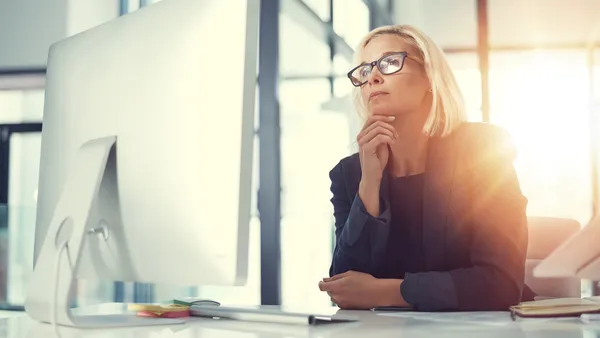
x=474, y=224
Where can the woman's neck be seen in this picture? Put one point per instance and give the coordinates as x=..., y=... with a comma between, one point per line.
x=409, y=153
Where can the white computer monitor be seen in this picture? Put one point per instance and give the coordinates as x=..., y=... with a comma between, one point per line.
x=147, y=142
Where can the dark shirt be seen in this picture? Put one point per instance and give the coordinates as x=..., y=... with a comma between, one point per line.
x=405, y=243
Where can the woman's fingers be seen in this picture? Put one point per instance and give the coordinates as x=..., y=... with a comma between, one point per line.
x=376, y=120
x=377, y=130
x=371, y=146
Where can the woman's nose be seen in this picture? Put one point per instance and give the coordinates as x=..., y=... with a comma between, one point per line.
x=375, y=77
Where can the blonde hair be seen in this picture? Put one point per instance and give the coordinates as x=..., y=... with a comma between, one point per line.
x=447, y=108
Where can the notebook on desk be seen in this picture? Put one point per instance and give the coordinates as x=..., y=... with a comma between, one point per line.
x=268, y=315
x=557, y=307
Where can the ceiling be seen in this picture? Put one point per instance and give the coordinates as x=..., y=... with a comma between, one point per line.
x=512, y=23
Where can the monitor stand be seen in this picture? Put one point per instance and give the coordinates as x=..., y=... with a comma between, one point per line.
x=49, y=297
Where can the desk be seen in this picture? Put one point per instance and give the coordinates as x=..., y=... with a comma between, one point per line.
x=460, y=325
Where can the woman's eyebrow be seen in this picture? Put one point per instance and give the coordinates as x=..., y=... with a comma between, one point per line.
x=380, y=56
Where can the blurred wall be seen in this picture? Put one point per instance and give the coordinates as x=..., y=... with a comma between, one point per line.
x=29, y=27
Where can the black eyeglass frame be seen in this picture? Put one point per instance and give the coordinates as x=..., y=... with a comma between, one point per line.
x=378, y=64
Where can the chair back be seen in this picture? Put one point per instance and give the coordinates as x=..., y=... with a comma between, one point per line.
x=545, y=235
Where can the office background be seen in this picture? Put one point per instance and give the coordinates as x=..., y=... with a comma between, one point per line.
x=531, y=66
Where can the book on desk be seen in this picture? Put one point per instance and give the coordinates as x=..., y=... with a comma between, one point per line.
x=556, y=307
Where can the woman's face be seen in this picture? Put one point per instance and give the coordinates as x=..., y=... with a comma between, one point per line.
x=404, y=92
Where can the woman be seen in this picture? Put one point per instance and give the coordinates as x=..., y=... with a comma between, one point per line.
x=429, y=214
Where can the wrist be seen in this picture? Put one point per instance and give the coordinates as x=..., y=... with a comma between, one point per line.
x=368, y=189
x=369, y=195
x=388, y=293
x=370, y=183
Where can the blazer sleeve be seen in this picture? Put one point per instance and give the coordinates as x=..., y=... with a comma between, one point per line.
x=495, y=278
x=360, y=238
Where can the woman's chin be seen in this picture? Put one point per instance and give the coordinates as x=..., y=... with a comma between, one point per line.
x=382, y=112
x=381, y=109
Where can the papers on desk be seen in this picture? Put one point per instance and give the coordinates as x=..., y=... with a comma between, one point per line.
x=495, y=318
x=268, y=315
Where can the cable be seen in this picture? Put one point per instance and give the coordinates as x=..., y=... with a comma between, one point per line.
x=54, y=303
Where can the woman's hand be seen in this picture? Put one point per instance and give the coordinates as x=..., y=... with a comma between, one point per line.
x=373, y=142
x=351, y=290
x=358, y=290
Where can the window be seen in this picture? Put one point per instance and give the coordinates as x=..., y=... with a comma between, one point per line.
x=341, y=85
x=321, y=7
x=300, y=53
x=466, y=71
x=20, y=145
x=351, y=20
x=133, y=6
x=542, y=99
x=313, y=141
x=18, y=106
x=23, y=182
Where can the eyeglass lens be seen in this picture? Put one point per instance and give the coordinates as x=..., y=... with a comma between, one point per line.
x=387, y=65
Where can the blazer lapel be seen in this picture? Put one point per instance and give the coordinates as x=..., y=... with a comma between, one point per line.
x=439, y=176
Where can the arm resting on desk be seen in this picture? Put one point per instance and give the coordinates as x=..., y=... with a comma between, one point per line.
x=361, y=239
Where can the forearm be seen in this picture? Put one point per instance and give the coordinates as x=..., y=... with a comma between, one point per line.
x=362, y=255
x=369, y=195
x=479, y=288
x=388, y=293
x=348, y=260
x=362, y=241
x=486, y=288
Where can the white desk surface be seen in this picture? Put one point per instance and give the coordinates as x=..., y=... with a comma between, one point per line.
x=461, y=325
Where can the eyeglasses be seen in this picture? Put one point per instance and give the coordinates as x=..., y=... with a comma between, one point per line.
x=387, y=64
